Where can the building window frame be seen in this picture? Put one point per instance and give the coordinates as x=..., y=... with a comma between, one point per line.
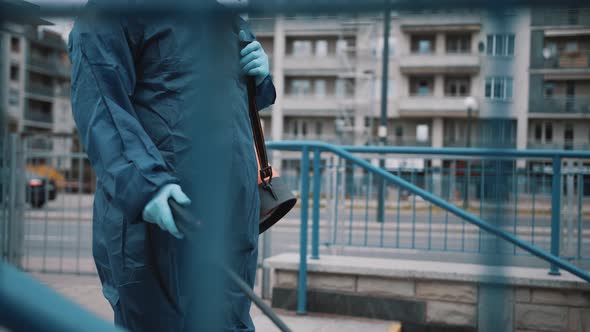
x=498, y=88
x=500, y=44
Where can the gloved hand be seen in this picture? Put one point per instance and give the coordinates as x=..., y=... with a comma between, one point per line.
x=254, y=61
x=157, y=211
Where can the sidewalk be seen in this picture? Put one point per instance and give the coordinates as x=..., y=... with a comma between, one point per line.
x=86, y=291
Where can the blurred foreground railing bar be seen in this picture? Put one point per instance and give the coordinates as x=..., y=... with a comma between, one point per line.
x=273, y=7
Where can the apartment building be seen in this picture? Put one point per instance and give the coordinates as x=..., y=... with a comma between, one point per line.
x=329, y=71
x=35, y=82
x=559, y=103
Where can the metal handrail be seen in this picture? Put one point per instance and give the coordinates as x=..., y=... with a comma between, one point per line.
x=346, y=152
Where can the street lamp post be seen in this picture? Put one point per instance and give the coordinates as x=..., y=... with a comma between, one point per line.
x=471, y=105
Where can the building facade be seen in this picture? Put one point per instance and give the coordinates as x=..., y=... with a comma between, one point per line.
x=35, y=84
x=328, y=72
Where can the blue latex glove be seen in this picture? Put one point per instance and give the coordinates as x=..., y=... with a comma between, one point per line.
x=157, y=211
x=254, y=61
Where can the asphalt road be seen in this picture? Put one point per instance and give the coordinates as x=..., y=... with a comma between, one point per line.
x=59, y=236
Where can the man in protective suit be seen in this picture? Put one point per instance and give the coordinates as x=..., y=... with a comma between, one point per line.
x=160, y=104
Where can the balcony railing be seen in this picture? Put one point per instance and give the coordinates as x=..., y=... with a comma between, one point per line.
x=38, y=116
x=431, y=104
x=560, y=145
x=429, y=63
x=331, y=62
x=561, y=104
x=556, y=16
x=317, y=105
x=49, y=65
x=40, y=89
x=563, y=59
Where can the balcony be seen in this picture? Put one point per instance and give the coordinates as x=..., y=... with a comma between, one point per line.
x=48, y=66
x=37, y=115
x=416, y=63
x=433, y=106
x=562, y=145
x=561, y=105
x=559, y=17
x=318, y=65
x=316, y=106
x=45, y=91
x=568, y=61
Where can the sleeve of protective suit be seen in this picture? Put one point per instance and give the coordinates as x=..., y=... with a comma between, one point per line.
x=265, y=93
x=128, y=165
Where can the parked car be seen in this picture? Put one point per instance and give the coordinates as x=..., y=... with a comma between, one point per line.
x=39, y=190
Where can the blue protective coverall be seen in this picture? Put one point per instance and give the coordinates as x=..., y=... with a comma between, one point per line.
x=154, y=101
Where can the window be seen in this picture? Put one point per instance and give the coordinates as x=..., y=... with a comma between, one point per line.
x=399, y=132
x=300, y=87
x=377, y=88
x=422, y=44
x=571, y=47
x=500, y=45
x=340, y=88
x=538, y=132
x=13, y=97
x=320, y=88
x=341, y=46
x=321, y=48
x=304, y=129
x=457, y=86
x=498, y=88
x=14, y=73
x=378, y=47
x=14, y=44
x=302, y=48
x=459, y=43
x=548, y=132
x=421, y=85
x=422, y=133
x=548, y=89
x=318, y=129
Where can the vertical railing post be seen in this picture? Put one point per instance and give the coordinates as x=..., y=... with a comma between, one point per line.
x=302, y=281
x=315, y=230
x=555, y=212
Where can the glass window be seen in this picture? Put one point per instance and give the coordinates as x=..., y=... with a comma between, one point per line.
x=302, y=48
x=423, y=88
x=571, y=46
x=304, y=129
x=340, y=88
x=488, y=88
x=378, y=46
x=321, y=48
x=458, y=43
x=421, y=85
x=490, y=45
x=320, y=88
x=318, y=128
x=300, y=87
x=510, y=47
x=15, y=44
x=499, y=45
x=498, y=88
x=423, y=44
x=13, y=97
x=548, y=89
x=548, y=132
x=341, y=46
x=399, y=132
x=538, y=132
x=508, y=89
x=14, y=73
x=457, y=85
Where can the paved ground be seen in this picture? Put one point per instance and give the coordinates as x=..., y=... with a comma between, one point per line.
x=85, y=290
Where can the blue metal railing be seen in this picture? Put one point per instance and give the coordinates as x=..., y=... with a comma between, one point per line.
x=347, y=154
